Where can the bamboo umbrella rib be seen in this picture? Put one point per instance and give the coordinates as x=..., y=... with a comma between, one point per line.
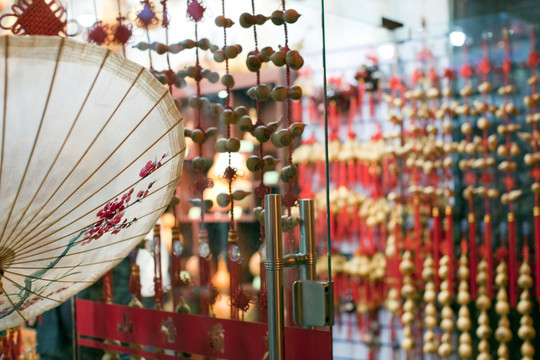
x=33, y=245
x=30, y=290
x=52, y=222
x=12, y=303
x=50, y=280
x=67, y=267
x=85, y=153
x=40, y=126
x=83, y=106
x=5, y=106
x=40, y=257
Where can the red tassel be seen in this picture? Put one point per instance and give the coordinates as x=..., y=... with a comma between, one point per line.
x=332, y=228
x=335, y=172
x=450, y=247
x=297, y=111
x=19, y=344
x=332, y=112
x=337, y=124
x=301, y=175
x=359, y=172
x=355, y=220
x=320, y=173
x=361, y=247
x=342, y=181
x=204, y=275
x=351, y=176
x=472, y=255
x=536, y=212
x=234, y=275
x=360, y=98
x=352, y=115
x=263, y=306
x=437, y=234
x=512, y=260
x=417, y=222
x=135, y=281
x=371, y=242
x=312, y=110
x=371, y=105
x=489, y=254
x=107, y=287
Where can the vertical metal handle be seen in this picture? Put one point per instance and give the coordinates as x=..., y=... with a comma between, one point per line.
x=307, y=238
x=274, y=276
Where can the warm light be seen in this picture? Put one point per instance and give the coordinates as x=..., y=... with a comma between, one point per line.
x=386, y=51
x=168, y=220
x=194, y=213
x=246, y=146
x=255, y=264
x=238, y=210
x=457, y=38
x=256, y=283
x=221, y=278
x=222, y=162
x=271, y=177
x=86, y=20
x=222, y=309
x=192, y=266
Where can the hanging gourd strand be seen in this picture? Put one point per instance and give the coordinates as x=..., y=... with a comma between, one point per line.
x=468, y=148
x=509, y=150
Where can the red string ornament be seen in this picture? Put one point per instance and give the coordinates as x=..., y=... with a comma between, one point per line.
x=242, y=300
x=98, y=33
x=195, y=10
x=146, y=17
x=121, y=32
x=36, y=17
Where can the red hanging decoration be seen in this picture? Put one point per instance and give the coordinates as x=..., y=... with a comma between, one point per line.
x=36, y=17
x=121, y=32
x=98, y=33
x=146, y=17
x=195, y=10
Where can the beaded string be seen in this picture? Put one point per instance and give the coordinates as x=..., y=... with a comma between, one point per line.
x=534, y=60
x=509, y=166
x=483, y=124
x=466, y=129
x=262, y=189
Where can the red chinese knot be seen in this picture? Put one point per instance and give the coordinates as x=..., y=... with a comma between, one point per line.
x=37, y=17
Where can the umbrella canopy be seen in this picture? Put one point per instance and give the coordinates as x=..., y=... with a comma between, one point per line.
x=92, y=147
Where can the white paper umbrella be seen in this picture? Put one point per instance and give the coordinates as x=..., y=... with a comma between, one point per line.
x=91, y=152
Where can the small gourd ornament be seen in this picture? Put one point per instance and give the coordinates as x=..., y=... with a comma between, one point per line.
x=465, y=350
x=526, y=330
x=503, y=334
x=409, y=293
x=483, y=303
x=447, y=314
x=428, y=275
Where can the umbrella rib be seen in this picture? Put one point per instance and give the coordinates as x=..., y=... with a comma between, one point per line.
x=38, y=134
x=93, y=210
x=58, y=281
x=85, y=153
x=67, y=267
x=63, y=143
x=12, y=304
x=51, y=223
x=33, y=245
x=31, y=291
x=5, y=106
x=36, y=246
x=80, y=241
